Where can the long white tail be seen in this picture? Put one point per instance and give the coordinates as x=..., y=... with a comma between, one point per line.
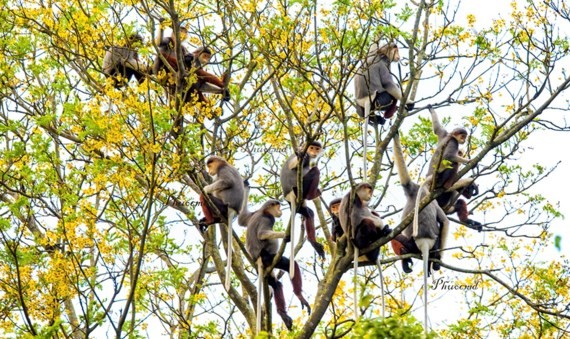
x=356, y=309
x=292, y=235
x=364, y=179
x=365, y=141
x=231, y=214
x=260, y=273
x=424, y=247
x=379, y=264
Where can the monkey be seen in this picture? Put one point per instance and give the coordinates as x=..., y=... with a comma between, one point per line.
x=207, y=82
x=443, y=170
x=310, y=182
x=429, y=229
x=226, y=192
x=121, y=63
x=367, y=226
x=193, y=63
x=374, y=87
x=262, y=245
x=432, y=224
x=336, y=228
x=167, y=49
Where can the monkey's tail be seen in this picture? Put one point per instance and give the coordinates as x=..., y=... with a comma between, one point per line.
x=379, y=264
x=424, y=245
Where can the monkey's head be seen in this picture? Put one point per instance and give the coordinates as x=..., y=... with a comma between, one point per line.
x=314, y=150
x=390, y=50
x=460, y=134
x=272, y=207
x=134, y=39
x=364, y=192
x=334, y=206
x=470, y=191
x=203, y=54
x=214, y=163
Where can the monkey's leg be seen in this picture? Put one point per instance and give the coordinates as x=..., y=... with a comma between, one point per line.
x=424, y=244
x=311, y=184
x=309, y=221
x=447, y=177
x=463, y=214
x=366, y=234
x=279, y=299
x=400, y=245
x=436, y=254
x=209, y=217
x=296, y=281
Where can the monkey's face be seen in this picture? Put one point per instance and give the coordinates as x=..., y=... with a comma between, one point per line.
x=213, y=166
x=460, y=137
x=393, y=53
x=204, y=58
x=335, y=209
x=365, y=193
x=275, y=210
x=313, y=151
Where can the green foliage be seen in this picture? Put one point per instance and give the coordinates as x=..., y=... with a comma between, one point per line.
x=401, y=327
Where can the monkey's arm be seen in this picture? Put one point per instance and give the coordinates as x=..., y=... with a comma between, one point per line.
x=218, y=185
x=437, y=128
x=441, y=217
x=134, y=63
x=292, y=162
x=209, y=77
x=265, y=229
x=270, y=235
x=388, y=82
x=451, y=153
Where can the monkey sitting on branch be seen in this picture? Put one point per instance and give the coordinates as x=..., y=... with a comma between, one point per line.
x=428, y=230
x=226, y=194
x=262, y=245
x=121, y=63
x=194, y=63
x=366, y=225
x=310, y=190
x=374, y=86
x=336, y=228
x=442, y=172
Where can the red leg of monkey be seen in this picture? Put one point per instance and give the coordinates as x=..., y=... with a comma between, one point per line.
x=461, y=209
x=209, y=77
x=309, y=222
x=279, y=299
x=402, y=245
x=297, y=282
x=397, y=246
x=390, y=110
x=208, y=215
